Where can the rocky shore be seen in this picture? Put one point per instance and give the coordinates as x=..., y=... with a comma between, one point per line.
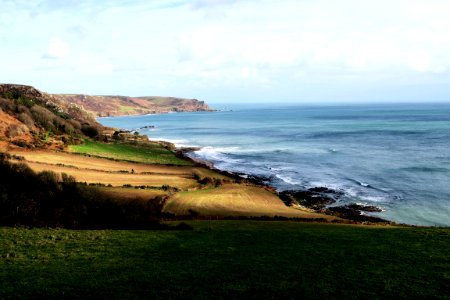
x=318, y=199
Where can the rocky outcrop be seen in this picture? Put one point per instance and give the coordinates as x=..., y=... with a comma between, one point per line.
x=355, y=212
x=316, y=198
x=17, y=90
x=320, y=199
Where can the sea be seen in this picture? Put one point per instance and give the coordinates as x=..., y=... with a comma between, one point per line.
x=393, y=156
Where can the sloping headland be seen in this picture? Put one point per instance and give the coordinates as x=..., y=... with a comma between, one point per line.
x=106, y=106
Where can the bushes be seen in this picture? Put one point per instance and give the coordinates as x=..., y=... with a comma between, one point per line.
x=52, y=200
x=89, y=130
x=43, y=117
x=16, y=130
x=26, y=119
x=48, y=117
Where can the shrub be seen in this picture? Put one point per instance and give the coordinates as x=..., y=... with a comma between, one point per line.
x=197, y=175
x=15, y=130
x=43, y=117
x=21, y=143
x=217, y=182
x=22, y=100
x=89, y=130
x=26, y=119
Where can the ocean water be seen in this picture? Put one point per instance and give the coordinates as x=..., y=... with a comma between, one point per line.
x=396, y=157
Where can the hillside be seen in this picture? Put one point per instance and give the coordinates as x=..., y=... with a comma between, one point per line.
x=34, y=119
x=103, y=106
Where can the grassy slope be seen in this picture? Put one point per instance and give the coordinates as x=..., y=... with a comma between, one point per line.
x=228, y=259
x=235, y=200
x=154, y=153
x=226, y=200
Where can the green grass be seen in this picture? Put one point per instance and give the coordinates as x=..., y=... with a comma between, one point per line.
x=153, y=153
x=227, y=259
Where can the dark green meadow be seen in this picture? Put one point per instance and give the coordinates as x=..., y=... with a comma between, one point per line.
x=150, y=153
x=227, y=259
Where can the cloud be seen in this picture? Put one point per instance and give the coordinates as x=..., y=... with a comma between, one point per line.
x=57, y=49
x=239, y=44
x=211, y=3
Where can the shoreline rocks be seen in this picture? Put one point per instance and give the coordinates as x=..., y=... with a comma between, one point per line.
x=318, y=199
x=355, y=212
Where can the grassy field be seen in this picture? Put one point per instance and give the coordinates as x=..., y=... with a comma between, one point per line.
x=228, y=259
x=229, y=199
x=153, y=153
x=117, y=173
x=235, y=200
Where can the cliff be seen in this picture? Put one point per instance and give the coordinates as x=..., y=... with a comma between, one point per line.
x=103, y=106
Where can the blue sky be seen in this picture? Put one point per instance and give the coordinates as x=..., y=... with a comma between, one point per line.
x=304, y=51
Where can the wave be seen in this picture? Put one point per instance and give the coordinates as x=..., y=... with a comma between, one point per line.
x=179, y=143
x=360, y=183
x=287, y=179
x=216, y=154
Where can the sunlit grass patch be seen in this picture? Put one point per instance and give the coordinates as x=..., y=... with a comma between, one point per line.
x=153, y=153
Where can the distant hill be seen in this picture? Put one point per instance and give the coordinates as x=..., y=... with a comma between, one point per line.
x=34, y=119
x=104, y=106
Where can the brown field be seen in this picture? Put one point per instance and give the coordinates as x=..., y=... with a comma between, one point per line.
x=118, y=179
x=230, y=199
x=235, y=200
x=95, y=163
x=132, y=193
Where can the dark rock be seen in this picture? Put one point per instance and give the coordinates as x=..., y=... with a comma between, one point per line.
x=351, y=213
x=368, y=208
x=316, y=198
x=320, y=189
x=185, y=150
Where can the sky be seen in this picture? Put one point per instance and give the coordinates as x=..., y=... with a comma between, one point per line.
x=299, y=51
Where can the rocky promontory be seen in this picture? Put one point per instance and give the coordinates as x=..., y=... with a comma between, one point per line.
x=110, y=106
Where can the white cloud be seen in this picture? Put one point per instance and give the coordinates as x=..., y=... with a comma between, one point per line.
x=57, y=48
x=239, y=45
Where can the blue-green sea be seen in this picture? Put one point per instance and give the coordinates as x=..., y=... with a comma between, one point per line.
x=396, y=157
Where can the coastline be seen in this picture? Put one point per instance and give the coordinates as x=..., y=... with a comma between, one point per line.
x=317, y=198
